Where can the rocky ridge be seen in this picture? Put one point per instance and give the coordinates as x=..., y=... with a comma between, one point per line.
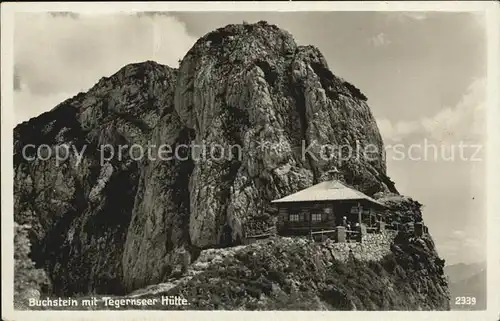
x=126, y=223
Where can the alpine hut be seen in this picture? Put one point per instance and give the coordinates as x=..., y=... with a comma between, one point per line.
x=330, y=208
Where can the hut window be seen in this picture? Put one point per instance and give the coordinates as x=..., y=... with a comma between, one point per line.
x=294, y=217
x=328, y=213
x=316, y=217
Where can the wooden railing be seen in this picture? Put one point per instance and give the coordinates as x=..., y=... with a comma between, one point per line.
x=324, y=232
x=323, y=235
x=332, y=234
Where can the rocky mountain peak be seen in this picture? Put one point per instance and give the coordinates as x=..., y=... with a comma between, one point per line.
x=103, y=223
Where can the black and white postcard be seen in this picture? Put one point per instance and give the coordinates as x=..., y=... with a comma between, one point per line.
x=328, y=157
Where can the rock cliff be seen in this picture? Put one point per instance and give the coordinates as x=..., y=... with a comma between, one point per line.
x=112, y=217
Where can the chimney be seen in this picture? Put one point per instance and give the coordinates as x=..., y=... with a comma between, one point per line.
x=334, y=174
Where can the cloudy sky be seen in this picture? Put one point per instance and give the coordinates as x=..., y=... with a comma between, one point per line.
x=423, y=73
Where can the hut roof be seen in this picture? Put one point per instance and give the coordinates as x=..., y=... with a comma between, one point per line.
x=327, y=191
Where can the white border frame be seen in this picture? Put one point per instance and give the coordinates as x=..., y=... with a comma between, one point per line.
x=491, y=10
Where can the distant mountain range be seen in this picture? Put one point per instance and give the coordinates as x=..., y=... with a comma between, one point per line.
x=468, y=281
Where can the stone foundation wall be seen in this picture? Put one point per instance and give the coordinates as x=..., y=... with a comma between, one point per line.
x=373, y=247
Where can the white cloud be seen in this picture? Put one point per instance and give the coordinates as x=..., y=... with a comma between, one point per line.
x=28, y=104
x=385, y=128
x=415, y=15
x=396, y=132
x=380, y=39
x=59, y=56
x=460, y=246
x=464, y=122
x=457, y=234
x=407, y=16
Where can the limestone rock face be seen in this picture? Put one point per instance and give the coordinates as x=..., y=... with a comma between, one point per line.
x=254, y=87
x=158, y=229
x=81, y=208
x=255, y=111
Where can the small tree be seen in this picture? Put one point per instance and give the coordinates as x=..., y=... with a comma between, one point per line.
x=27, y=279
